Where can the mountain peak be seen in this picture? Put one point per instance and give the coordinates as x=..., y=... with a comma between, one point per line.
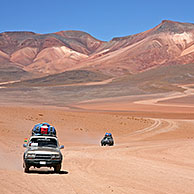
x=75, y=34
x=168, y=21
x=17, y=33
x=173, y=27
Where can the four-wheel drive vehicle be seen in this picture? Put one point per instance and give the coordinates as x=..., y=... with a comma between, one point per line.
x=42, y=151
x=107, y=140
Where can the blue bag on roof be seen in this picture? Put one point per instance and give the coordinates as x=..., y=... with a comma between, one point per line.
x=43, y=129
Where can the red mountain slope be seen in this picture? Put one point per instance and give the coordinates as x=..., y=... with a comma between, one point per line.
x=166, y=44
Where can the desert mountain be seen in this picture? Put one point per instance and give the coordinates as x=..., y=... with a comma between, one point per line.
x=46, y=53
x=169, y=43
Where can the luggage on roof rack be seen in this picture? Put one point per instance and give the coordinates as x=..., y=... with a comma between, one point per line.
x=108, y=135
x=43, y=129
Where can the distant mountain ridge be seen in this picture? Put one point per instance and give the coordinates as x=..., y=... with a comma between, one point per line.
x=169, y=43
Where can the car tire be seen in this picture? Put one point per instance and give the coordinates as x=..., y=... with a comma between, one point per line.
x=57, y=168
x=26, y=169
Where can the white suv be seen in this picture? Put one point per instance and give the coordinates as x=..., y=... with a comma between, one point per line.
x=43, y=151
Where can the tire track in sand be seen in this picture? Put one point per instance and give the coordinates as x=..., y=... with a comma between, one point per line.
x=156, y=124
x=159, y=126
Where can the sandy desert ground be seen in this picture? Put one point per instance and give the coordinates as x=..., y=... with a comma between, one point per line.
x=153, y=152
x=138, y=87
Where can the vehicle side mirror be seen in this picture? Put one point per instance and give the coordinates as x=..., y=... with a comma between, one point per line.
x=25, y=145
x=61, y=147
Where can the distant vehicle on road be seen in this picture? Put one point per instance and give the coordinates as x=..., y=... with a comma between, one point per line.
x=107, y=140
x=42, y=151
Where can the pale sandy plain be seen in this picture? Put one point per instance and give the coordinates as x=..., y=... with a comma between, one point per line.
x=153, y=152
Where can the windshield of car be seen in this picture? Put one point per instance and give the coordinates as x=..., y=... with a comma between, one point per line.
x=43, y=142
x=107, y=137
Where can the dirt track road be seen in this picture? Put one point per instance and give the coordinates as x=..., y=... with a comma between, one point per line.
x=189, y=91
x=155, y=156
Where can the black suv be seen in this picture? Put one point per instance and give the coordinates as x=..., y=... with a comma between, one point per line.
x=107, y=140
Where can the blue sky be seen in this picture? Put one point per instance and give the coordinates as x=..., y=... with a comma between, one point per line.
x=103, y=19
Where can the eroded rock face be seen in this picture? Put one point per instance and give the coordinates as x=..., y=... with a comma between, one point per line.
x=166, y=44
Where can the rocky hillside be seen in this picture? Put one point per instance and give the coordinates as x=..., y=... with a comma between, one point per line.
x=27, y=54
